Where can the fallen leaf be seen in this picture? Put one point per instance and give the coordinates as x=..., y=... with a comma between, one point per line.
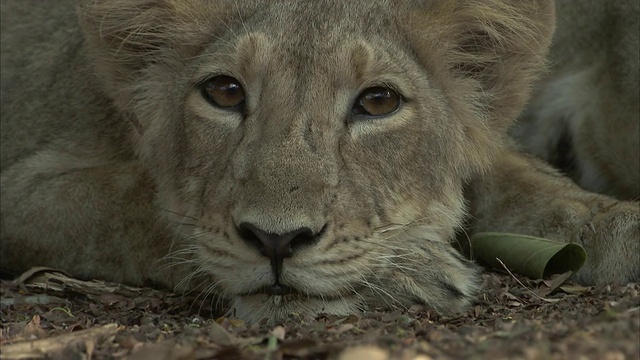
x=219, y=336
x=553, y=283
x=574, y=289
x=33, y=330
x=531, y=256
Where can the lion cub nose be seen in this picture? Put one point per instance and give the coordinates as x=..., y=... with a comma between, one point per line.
x=276, y=247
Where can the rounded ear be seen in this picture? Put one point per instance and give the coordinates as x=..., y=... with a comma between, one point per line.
x=486, y=53
x=126, y=37
x=122, y=37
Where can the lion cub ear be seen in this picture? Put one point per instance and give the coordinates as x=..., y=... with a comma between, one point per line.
x=125, y=37
x=484, y=52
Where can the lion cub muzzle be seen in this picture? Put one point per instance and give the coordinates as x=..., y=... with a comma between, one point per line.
x=277, y=247
x=285, y=179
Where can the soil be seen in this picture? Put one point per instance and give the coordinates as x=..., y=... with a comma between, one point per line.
x=45, y=314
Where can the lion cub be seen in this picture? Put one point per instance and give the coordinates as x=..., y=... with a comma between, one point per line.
x=289, y=156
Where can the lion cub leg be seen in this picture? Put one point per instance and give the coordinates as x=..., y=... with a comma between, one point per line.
x=94, y=221
x=524, y=195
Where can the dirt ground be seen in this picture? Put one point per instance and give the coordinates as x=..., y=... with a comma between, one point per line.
x=47, y=315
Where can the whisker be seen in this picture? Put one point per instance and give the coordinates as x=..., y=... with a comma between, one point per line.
x=176, y=213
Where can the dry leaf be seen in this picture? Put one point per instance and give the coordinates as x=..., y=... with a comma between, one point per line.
x=574, y=289
x=553, y=283
x=220, y=336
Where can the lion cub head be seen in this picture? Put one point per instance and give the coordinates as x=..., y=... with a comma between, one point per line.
x=315, y=152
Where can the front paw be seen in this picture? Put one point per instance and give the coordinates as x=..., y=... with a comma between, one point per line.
x=443, y=280
x=612, y=241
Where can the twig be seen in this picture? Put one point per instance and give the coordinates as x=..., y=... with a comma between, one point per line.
x=524, y=286
x=44, y=348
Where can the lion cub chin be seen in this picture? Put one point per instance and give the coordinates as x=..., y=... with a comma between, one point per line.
x=292, y=157
x=280, y=307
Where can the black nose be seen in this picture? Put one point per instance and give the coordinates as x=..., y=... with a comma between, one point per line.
x=276, y=247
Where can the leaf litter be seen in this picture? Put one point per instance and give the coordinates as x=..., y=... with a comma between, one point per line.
x=514, y=318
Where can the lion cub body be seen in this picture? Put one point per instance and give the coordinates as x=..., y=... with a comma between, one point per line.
x=115, y=166
x=584, y=116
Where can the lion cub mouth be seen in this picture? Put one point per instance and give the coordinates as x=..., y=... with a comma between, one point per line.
x=290, y=293
x=276, y=289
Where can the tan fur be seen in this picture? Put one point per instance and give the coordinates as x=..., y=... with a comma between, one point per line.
x=589, y=99
x=115, y=167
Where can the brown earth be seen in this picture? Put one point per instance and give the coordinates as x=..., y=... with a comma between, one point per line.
x=47, y=315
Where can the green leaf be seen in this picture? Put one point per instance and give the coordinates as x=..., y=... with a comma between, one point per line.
x=533, y=257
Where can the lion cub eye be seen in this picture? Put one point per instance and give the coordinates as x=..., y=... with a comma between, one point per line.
x=223, y=91
x=376, y=101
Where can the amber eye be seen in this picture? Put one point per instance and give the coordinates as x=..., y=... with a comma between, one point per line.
x=223, y=91
x=376, y=101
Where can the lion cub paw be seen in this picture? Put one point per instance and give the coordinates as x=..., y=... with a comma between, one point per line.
x=612, y=241
x=443, y=280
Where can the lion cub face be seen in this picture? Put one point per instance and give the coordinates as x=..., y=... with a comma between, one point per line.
x=314, y=152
